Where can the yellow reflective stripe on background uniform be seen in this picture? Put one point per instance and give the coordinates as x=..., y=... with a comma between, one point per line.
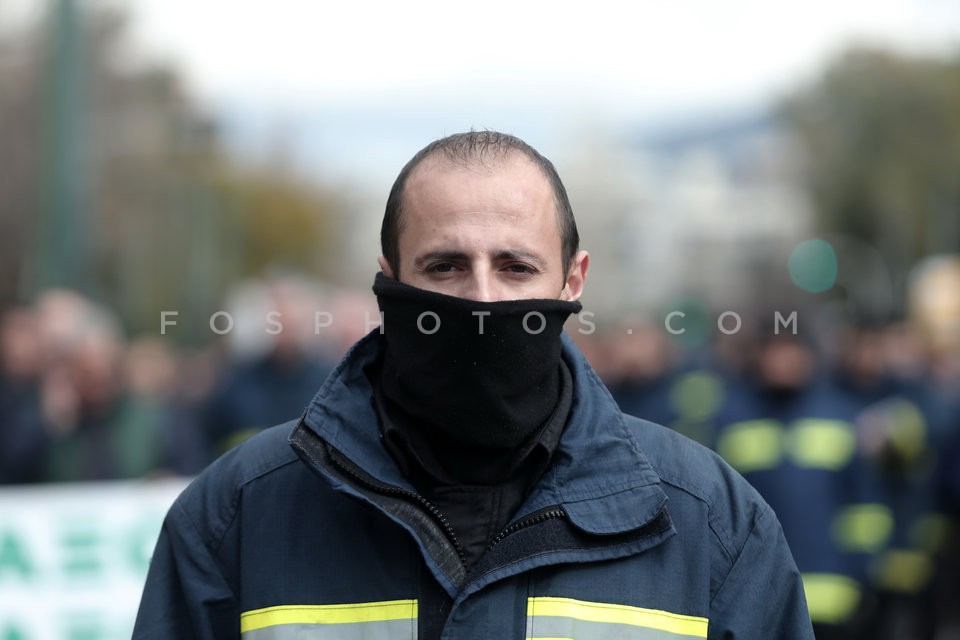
x=908, y=429
x=932, y=531
x=903, y=570
x=549, y=617
x=817, y=443
x=831, y=598
x=753, y=445
x=390, y=620
x=863, y=527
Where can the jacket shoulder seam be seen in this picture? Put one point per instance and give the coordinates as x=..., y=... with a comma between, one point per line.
x=234, y=483
x=754, y=525
x=238, y=489
x=716, y=526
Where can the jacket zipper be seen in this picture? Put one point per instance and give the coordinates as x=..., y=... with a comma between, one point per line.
x=410, y=495
x=537, y=517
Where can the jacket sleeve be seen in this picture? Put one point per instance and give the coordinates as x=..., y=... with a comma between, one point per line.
x=762, y=595
x=186, y=595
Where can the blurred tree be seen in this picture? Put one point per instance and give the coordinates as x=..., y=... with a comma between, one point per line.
x=166, y=215
x=279, y=222
x=20, y=164
x=61, y=236
x=883, y=136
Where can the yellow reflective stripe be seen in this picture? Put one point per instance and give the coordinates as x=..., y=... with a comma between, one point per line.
x=863, y=527
x=696, y=396
x=753, y=445
x=817, y=443
x=931, y=532
x=328, y=614
x=831, y=598
x=617, y=614
x=903, y=570
x=908, y=429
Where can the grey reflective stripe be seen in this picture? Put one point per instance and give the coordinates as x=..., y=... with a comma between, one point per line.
x=379, y=630
x=573, y=629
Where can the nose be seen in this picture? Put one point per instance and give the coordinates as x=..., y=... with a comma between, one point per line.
x=480, y=287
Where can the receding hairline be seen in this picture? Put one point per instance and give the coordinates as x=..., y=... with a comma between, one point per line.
x=478, y=151
x=484, y=160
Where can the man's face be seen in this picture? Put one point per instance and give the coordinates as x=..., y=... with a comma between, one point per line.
x=484, y=233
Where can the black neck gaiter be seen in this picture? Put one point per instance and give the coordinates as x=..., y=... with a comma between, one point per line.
x=484, y=374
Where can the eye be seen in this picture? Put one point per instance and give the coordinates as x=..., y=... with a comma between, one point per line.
x=520, y=268
x=441, y=267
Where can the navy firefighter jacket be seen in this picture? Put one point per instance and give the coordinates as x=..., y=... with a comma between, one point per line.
x=309, y=530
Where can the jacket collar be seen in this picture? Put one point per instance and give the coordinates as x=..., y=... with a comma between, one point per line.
x=598, y=473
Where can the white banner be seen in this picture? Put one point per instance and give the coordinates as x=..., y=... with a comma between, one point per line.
x=73, y=558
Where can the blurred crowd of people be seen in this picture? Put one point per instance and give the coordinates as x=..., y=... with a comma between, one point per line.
x=852, y=435
x=853, y=439
x=80, y=402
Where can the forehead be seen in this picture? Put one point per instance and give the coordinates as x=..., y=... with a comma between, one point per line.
x=509, y=182
x=501, y=205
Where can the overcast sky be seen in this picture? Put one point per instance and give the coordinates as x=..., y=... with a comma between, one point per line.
x=597, y=53
x=507, y=62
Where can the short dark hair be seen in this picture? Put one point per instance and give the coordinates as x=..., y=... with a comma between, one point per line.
x=468, y=149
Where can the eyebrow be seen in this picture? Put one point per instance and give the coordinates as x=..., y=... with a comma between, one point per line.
x=524, y=256
x=504, y=255
x=440, y=256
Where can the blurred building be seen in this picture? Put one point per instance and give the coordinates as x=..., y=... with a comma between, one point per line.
x=700, y=209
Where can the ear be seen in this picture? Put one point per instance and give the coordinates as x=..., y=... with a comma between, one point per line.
x=385, y=267
x=576, y=276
